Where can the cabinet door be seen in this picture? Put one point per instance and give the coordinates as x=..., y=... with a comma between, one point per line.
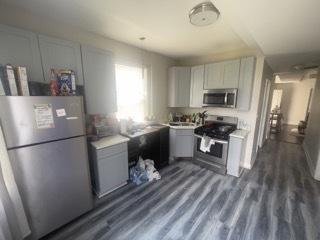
x=246, y=83
x=183, y=87
x=196, y=86
x=112, y=172
x=184, y=146
x=213, y=75
x=179, y=87
x=172, y=87
x=20, y=48
x=99, y=80
x=231, y=74
x=60, y=54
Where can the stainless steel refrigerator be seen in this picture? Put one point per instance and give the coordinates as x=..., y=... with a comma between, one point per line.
x=45, y=138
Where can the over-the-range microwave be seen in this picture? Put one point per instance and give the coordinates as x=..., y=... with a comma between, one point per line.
x=226, y=98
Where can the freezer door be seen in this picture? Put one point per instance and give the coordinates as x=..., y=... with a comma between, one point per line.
x=32, y=120
x=54, y=182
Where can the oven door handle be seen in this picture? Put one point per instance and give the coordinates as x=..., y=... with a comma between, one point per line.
x=226, y=99
x=214, y=139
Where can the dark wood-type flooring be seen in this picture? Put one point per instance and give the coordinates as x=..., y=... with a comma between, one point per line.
x=286, y=136
x=277, y=199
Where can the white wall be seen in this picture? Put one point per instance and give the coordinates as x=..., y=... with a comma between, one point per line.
x=311, y=142
x=123, y=53
x=249, y=118
x=294, y=101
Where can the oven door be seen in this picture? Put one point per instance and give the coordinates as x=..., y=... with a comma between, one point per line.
x=218, y=152
x=220, y=98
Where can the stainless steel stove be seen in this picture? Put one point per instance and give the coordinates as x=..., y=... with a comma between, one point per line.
x=217, y=129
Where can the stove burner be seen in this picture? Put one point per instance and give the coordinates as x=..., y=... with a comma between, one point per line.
x=216, y=130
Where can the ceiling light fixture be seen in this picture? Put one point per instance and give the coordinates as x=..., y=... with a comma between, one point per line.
x=204, y=14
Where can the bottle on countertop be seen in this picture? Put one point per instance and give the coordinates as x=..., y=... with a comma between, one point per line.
x=170, y=118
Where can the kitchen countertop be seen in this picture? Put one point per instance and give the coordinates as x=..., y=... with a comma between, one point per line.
x=146, y=130
x=109, y=141
x=181, y=127
x=239, y=133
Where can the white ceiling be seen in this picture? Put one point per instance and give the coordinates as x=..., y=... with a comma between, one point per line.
x=286, y=31
x=165, y=23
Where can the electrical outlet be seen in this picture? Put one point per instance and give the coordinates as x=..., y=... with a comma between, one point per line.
x=242, y=124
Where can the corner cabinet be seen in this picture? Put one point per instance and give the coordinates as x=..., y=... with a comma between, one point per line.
x=179, y=87
x=247, y=69
x=99, y=80
x=20, y=48
x=221, y=75
x=60, y=54
x=196, y=86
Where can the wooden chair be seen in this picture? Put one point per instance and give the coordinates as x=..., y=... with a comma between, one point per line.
x=275, y=122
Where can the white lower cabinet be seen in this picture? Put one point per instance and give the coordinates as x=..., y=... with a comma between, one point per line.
x=110, y=168
x=181, y=143
x=236, y=152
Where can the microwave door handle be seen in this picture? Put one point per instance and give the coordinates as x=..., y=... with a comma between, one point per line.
x=226, y=99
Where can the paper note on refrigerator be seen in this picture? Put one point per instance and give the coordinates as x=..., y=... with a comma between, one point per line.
x=61, y=112
x=44, y=116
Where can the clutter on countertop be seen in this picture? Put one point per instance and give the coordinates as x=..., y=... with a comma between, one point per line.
x=144, y=171
x=132, y=129
x=99, y=126
x=197, y=118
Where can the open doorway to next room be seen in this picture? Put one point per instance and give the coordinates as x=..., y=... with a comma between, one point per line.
x=290, y=107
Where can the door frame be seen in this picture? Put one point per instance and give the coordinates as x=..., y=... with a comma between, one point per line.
x=264, y=111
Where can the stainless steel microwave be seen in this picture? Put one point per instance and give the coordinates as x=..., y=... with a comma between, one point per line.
x=226, y=98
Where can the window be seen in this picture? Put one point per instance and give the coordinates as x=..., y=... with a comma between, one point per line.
x=132, y=86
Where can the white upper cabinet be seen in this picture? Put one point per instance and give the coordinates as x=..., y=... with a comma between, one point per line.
x=247, y=70
x=222, y=74
x=230, y=74
x=196, y=86
x=60, y=54
x=20, y=48
x=213, y=75
x=179, y=87
x=99, y=80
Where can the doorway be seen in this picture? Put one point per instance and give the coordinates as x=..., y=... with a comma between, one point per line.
x=262, y=128
x=289, y=110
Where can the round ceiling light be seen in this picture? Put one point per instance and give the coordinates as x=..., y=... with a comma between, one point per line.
x=204, y=14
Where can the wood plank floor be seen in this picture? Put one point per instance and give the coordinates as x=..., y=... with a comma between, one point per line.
x=277, y=199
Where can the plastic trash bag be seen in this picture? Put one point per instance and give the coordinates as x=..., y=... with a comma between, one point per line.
x=151, y=170
x=141, y=164
x=138, y=176
x=144, y=171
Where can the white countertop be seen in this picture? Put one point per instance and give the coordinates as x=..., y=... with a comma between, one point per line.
x=181, y=127
x=239, y=133
x=109, y=141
